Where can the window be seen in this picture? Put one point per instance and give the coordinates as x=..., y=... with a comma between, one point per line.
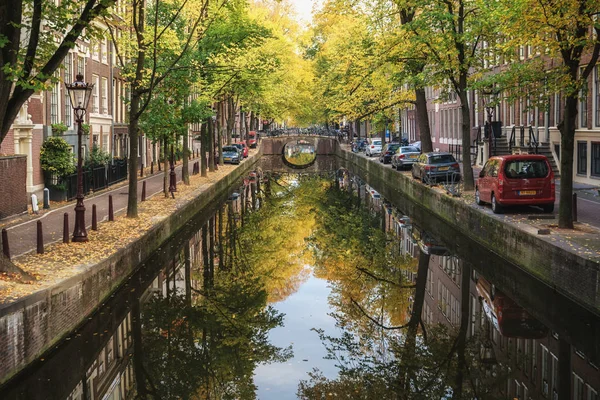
x=557, y=108
x=68, y=65
x=54, y=101
x=591, y=393
x=95, y=94
x=577, y=387
x=583, y=103
x=103, y=50
x=582, y=158
x=105, y=142
x=104, y=96
x=80, y=65
x=597, y=96
x=95, y=51
x=596, y=159
x=526, y=169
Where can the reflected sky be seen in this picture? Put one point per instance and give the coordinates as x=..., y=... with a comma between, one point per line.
x=306, y=309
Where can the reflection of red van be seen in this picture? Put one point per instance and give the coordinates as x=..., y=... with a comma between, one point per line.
x=252, y=139
x=524, y=179
x=508, y=317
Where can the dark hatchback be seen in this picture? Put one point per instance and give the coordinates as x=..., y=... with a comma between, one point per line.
x=387, y=152
x=431, y=167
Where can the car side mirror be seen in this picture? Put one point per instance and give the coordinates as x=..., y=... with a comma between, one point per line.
x=481, y=174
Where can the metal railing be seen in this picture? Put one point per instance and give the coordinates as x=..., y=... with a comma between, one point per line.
x=98, y=178
x=532, y=143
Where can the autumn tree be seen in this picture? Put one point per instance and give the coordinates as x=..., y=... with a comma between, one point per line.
x=29, y=55
x=565, y=35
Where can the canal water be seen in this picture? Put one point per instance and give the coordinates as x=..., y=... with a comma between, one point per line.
x=316, y=287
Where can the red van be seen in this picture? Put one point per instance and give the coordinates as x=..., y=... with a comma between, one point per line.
x=523, y=179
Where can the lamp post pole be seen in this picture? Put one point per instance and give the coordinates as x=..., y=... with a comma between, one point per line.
x=79, y=232
x=79, y=95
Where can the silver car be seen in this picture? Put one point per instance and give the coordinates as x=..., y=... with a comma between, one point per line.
x=405, y=157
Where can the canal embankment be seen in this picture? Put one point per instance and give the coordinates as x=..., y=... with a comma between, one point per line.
x=32, y=324
x=555, y=259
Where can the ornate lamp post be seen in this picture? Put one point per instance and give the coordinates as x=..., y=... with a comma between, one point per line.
x=79, y=94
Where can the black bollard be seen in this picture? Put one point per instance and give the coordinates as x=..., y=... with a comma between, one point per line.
x=94, y=218
x=111, y=214
x=574, y=207
x=40, y=238
x=141, y=169
x=5, y=247
x=151, y=167
x=159, y=166
x=144, y=191
x=66, y=228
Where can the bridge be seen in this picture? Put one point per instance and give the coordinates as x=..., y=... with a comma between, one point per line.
x=324, y=145
x=274, y=157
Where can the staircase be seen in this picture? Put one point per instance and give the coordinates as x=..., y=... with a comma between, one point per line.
x=544, y=149
x=501, y=146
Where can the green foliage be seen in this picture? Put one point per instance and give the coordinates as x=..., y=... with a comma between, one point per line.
x=59, y=128
x=97, y=157
x=56, y=157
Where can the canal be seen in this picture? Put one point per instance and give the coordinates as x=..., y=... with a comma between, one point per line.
x=314, y=286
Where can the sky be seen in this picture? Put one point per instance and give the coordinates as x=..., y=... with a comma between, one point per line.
x=304, y=8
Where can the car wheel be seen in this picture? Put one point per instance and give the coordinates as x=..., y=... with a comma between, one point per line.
x=548, y=208
x=477, y=197
x=496, y=208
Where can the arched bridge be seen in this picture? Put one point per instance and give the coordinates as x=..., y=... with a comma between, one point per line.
x=324, y=145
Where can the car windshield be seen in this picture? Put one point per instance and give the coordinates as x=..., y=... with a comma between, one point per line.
x=230, y=149
x=393, y=147
x=441, y=159
x=526, y=169
x=410, y=150
x=377, y=142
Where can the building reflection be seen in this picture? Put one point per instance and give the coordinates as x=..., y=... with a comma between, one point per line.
x=531, y=360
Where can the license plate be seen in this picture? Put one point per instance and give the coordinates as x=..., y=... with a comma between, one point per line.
x=527, y=193
x=226, y=158
x=443, y=168
x=412, y=156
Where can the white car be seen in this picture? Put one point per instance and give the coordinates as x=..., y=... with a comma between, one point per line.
x=373, y=148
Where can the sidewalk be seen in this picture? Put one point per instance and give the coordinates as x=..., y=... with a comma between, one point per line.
x=22, y=237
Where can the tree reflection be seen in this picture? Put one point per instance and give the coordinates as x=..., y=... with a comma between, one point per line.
x=387, y=350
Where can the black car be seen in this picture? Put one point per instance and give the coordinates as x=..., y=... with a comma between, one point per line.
x=387, y=152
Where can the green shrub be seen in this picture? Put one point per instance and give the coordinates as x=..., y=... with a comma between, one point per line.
x=56, y=157
x=59, y=128
x=97, y=157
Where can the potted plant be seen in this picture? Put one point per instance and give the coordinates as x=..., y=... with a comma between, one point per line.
x=59, y=129
x=57, y=161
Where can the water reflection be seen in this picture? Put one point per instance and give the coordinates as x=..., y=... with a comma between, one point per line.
x=311, y=287
x=300, y=153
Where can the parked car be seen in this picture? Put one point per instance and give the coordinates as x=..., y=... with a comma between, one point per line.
x=523, y=179
x=373, y=148
x=509, y=318
x=434, y=166
x=416, y=144
x=232, y=155
x=242, y=147
x=405, y=156
x=387, y=152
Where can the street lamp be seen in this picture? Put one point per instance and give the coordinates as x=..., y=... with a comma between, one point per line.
x=79, y=94
x=490, y=99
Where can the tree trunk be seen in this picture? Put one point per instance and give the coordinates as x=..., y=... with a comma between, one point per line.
x=423, y=121
x=211, y=145
x=358, y=129
x=247, y=133
x=407, y=362
x=165, y=169
x=467, y=168
x=230, y=118
x=461, y=340
x=132, y=211
x=203, y=146
x=567, y=147
x=220, y=133
x=185, y=164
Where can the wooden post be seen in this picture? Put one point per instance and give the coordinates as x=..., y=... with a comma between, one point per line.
x=66, y=228
x=40, y=238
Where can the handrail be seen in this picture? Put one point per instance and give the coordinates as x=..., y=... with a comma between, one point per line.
x=512, y=141
x=533, y=139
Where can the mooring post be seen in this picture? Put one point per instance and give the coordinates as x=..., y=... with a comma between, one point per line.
x=5, y=247
x=111, y=214
x=94, y=218
x=66, y=228
x=40, y=238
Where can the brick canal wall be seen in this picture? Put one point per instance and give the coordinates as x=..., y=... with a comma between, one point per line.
x=31, y=326
x=13, y=177
x=564, y=270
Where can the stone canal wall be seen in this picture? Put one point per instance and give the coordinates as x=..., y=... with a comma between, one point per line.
x=562, y=269
x=30, y=326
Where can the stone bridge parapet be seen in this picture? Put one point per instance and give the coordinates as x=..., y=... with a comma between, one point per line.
x=325, y=145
